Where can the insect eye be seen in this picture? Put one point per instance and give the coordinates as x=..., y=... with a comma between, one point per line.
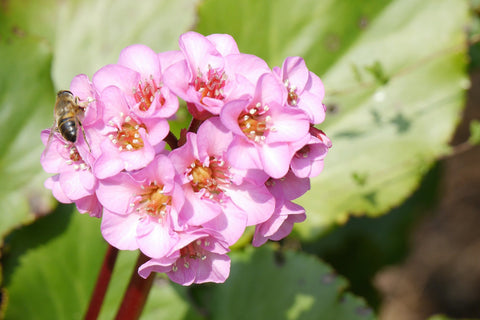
x=64, y=92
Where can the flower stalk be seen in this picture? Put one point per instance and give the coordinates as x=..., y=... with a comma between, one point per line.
x=101, y=286
x=136, y=294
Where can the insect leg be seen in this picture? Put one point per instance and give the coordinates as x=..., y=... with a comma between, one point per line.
x=79, y=124
x=50, y=136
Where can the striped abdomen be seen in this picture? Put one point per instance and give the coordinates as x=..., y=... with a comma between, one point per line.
x=68, y=128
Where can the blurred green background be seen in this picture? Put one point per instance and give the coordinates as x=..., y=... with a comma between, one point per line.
x=390, y=229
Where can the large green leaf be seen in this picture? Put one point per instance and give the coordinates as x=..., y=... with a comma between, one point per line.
x=50, y=267
x=91, y=34
x=394, y=73
x=265, y=284
x=25, y=90
x=375, y=243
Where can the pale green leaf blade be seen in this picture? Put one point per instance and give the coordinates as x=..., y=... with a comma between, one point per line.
x=265, y=284
x=394, y=73
x=91, y=34
x=474, y=138
x=50, y=267
x=25, y=108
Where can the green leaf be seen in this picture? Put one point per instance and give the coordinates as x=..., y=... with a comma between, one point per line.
x=265, y=284
x=394, y=73
x=91, y=34
x=474, y=138
x=25, y=108
x=443, y=317
x=168, y=300
x=30, y=19
x=50, y=267
x=384, y=240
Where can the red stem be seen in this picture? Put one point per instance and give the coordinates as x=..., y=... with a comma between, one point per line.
x=194, y=125
x=136, y=294
x=171, y=140
x=103, y=279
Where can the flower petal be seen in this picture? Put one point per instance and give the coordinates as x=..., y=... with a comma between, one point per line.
x=290, y=125
x=116, y=75
x=200, y=52
x=295, y=70
x=142, y=59
x=242, y=154
x=155, y=239
x=120, y=230
x=215, y=268
x=256, y=201
x=116, y=193
x=224, y=43
x=276, y=159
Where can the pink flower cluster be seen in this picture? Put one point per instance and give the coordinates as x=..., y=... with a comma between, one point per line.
x=250, y=150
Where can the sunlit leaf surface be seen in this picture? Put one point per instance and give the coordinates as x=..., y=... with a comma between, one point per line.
x=269, y=285
x=394, y=73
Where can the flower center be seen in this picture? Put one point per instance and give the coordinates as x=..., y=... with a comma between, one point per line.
x=74, y=155
x=153, y=201
x=254, y=122
x=210, y=178
x=74, y=158
x=127, y=137
x=303, y=152
x=194, y=251
x=292, y=98
x=211, y=85
x=145, y=94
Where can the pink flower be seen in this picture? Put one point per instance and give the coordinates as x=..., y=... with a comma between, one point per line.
x=213, y=187
x=305, y=89
x=198, y=258
x=72, y=162
x=74, y=181
x=308, y=161
x=88, y=97
x=248, y=153
x=286, y=213
x=129, y=142
x=289, y=187
x=212, y=73
x=139, y=75
x=280, y=223
x=141, y=208
x=266, y=132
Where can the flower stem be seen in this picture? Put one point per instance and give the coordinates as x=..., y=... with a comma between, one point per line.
x=194, y=125
x=103, y=279
x=171, y=140
x=136, y=294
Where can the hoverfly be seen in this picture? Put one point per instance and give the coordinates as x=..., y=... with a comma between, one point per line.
x=66, y=117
